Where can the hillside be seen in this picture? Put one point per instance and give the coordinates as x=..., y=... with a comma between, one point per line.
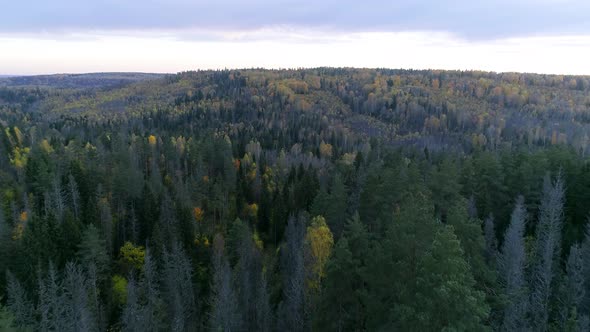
x=322, y=199
x=433, y=108
x=76, y=81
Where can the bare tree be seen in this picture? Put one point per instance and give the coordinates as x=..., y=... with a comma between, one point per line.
x=225, y=315
x=511, y=264
x=151, y=291
x=95, y=305
x=585, y=248
x=143, y=310
x=180, y=293
x=547, y=251
x=572, y=292
x=134, y=314
x=264, y=314
x=78, y=316
x=51, y=305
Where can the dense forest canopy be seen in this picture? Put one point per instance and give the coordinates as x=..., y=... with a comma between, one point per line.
x=290, y=200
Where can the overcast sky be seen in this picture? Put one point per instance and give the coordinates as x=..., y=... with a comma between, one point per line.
x=546, y=36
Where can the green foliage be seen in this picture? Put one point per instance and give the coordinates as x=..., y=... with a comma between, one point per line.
x=343, y=299
x=131, y=257
x=6, y=320
x=135, y=180
x=119, y=290
x=470, y=234
x=92, y=251
x=446, y=298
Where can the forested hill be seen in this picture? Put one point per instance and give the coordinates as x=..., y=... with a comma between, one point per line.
x=293, y=200
x=76, y=81
x=433, y=108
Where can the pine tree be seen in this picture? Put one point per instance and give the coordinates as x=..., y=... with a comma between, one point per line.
x=392, y=270
x=336, y=210
x=93, y=251
x=474, y=244
x=74, y=196
x=342, y=303
x=489, y=231
x=6, y=319
x=338, y=296
x=292, y=309
x=446, y=297
x=18, y=303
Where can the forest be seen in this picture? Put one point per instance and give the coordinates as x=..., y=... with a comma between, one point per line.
x=326, y=199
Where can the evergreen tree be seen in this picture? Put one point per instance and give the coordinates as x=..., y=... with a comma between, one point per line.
x=18, y=303
x=489, y=230
x=6, y=319
x=335, y=212
x=264, y=315
x=473, y=242
x=92, y=251
x=392, y=270
x=338, y=296
x=446, y=298
x=292, y=315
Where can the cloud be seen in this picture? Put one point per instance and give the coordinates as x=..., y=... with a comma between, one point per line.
x=416, y=50
x=473, y=20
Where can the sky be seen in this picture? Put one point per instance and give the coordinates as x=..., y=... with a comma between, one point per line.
x=79, y=36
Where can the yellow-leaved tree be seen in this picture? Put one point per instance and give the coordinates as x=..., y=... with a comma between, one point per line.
x=198, y=214
x=46, y=146
x=325, y=150
x=152, y=140
x=319, y=242
x=131, y=257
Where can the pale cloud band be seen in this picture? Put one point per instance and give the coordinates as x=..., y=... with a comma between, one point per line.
x=283, y=47
x=470, y=19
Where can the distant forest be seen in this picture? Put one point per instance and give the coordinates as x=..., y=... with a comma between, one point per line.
x=328, y=199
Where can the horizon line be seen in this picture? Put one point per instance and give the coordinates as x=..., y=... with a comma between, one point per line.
x=287, y=69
